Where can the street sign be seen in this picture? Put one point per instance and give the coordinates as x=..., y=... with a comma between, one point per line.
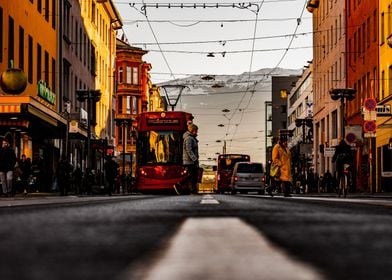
x=369, y=126
x=369, y=134
x=370, y=104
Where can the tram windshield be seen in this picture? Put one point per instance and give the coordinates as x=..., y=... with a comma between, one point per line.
x=163, y=147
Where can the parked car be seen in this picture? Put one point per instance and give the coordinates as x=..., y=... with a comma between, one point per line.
x=248, y=177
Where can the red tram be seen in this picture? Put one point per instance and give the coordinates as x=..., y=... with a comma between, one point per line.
x=159, y=152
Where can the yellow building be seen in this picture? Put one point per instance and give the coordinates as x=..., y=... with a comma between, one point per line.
x=384, y=123
x=101, y=21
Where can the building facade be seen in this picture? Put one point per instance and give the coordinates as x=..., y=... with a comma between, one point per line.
x=28, y=42
x=329, y=71
x=300, y=121
x=133, y=82
x=384, y=98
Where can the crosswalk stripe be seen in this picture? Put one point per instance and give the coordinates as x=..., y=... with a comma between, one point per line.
x=208, y=199
x=225, y=248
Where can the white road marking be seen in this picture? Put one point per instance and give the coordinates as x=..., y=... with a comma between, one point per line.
x=208, y=199
x=378, y=201
x=225, y=248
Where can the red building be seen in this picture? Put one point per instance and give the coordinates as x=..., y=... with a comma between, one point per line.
x=132, y=80
x=362, y=67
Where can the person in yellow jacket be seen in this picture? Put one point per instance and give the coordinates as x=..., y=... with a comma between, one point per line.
x=281, y=156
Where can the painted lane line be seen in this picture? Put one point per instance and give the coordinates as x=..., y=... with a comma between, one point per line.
x=225, y=248
x=208, y=199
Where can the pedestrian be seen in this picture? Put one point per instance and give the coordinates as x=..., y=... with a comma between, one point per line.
x=7, y=165
x=191, y=154
x=110, y=174
x=25, y=168
x=63, y=173
x=328, y=181
x=281, y=156
x=341, y=157
x=78, y=179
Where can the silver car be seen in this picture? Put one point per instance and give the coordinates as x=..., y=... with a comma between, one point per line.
x=248, y=177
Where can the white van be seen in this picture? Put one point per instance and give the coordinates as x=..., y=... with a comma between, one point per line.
x=248, y=177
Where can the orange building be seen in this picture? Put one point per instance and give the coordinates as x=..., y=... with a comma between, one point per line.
x=28, y=42
x=362, y=68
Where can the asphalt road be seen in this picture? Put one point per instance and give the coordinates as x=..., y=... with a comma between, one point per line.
x=195, y=237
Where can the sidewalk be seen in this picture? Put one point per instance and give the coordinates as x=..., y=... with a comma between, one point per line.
x=44, y=198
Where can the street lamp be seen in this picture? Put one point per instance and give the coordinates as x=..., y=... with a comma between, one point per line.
x=342, y=93
x=124, y=123
x=92, y=96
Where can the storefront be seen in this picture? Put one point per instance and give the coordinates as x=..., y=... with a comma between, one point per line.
x=37, y=131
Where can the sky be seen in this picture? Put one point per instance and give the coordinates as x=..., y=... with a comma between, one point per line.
x=242, y=39
x=266, y=34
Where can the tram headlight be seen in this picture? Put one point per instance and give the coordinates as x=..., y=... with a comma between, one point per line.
x=143, y=172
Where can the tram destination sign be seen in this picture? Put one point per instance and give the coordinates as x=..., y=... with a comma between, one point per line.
x=161, y=121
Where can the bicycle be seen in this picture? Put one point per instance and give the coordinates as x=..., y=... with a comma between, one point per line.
x=344, y=180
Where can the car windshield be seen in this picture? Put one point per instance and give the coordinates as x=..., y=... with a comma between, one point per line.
x=250, y=168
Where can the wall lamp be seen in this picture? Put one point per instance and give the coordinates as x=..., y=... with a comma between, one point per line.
x=312, y=4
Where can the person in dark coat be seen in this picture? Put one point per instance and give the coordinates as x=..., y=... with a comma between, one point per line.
x=7, y=165
x=25, y=168
x=342, y=156
x=190, y=156
x=63, y=173
x=110, y=174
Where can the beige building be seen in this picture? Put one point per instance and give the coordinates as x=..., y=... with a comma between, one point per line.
x=329, y=72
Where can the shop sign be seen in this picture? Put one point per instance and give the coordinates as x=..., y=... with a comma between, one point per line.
x=45, y=93
x=329, y=151
x=73, y=126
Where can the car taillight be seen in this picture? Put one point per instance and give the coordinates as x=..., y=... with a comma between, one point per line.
x=262, y=179
x=235, y=178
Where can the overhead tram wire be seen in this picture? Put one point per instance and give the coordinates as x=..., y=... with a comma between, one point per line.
x=159, y=46
x=279, y=62
x=249, y=75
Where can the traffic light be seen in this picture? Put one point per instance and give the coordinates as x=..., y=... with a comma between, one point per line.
x=341, y=93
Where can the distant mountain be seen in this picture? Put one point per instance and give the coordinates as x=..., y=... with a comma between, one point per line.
x=208, y=84
x=228, y=109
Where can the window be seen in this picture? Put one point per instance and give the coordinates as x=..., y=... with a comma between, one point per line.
x=47, y=10
x=334, y=132
x=21, y=47
x=129, y=75
x=53, y=14
x=386, y=159
x=30, y=58
x=382, y=85
x=39, y=62
x=39, y=6
x=66, y=23
x=11, y=38
x=1, y=34
x=46, y=64
x=131, y=104
x=382, y=31
x=53, y=74
x=120, y=104
x=120, y=75
x=390, y=80
x=135, y=76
